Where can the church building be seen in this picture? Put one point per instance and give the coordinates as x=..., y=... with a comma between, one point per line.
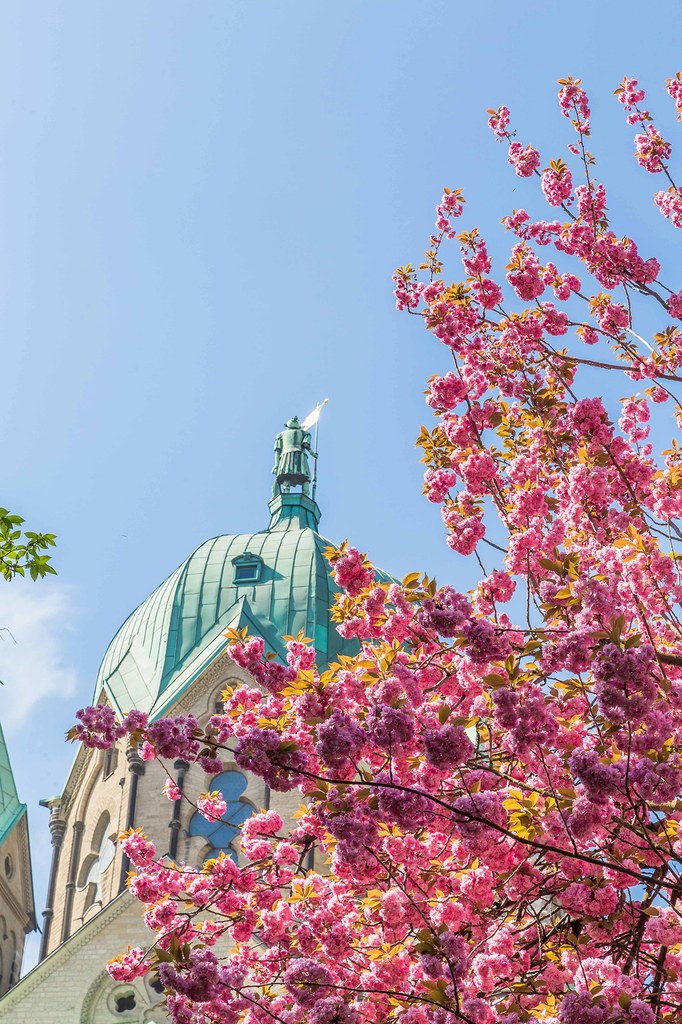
x=168, y=658
x=17, y=913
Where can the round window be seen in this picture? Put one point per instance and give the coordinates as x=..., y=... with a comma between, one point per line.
x=9, y=867
x=122, y=1002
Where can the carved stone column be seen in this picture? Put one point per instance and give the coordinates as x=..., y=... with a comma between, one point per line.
x=136, y=767
x=57, y=830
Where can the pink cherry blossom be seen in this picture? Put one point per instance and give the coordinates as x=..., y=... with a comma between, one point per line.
x=498, y=121
x=652, y=150
x=630, y=93
x=675, y=305
x=557, y=184
x=524, y=160
x=211, y=806
x=171, y=790
x=574, y=104
x=674, y=88
x=670, y=205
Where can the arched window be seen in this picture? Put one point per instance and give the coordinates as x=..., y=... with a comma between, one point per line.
x=130, y=1002
x=15, y=961
x=220, y=834
x=103, y=851
x=109, y=759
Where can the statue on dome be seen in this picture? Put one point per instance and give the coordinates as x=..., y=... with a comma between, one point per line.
x=292, y=447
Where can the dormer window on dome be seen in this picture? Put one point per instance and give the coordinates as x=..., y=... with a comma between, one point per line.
x=247, y=568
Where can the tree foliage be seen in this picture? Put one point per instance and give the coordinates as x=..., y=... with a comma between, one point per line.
x=495, y=793
x=23, y=552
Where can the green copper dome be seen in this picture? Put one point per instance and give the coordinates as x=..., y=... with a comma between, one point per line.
x=275, y=583
x=11, y=810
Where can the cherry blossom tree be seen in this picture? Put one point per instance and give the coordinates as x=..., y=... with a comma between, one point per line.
x=496, y=792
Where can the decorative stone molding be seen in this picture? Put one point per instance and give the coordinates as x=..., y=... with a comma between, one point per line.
x=57, y=823
x=26, y=874
x=221, y=668
x=93, y=992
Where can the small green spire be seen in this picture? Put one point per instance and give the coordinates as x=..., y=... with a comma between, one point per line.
x=289, y=511
x=10, y=806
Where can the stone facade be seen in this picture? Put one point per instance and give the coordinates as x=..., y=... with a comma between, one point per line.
x=71, y=986
x=168, y=658
x=16, y=901
x=92, y=921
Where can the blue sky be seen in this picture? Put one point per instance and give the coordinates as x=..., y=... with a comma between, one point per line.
x=201, y=205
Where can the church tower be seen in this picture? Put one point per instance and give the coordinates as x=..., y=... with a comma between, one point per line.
x=17, y=914
x=170, y=658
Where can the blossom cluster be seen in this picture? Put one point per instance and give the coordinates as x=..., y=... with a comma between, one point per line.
x=652, y=150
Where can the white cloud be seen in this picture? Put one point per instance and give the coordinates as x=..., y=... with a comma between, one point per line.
x=34, y=621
